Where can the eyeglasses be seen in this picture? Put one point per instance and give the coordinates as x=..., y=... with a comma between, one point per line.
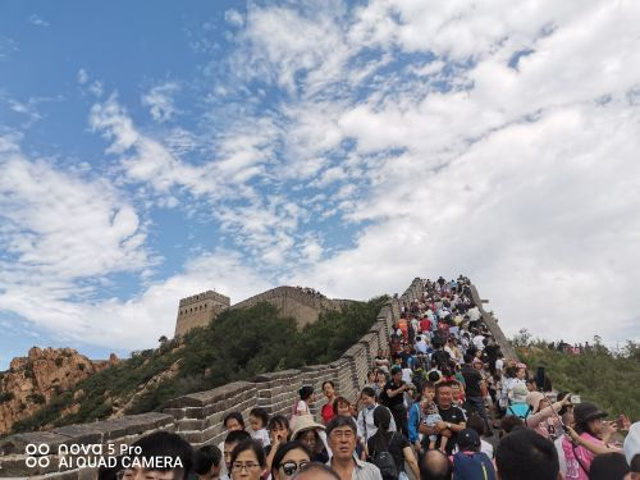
x=347, y=434
x=238, y=466
x=289, y=468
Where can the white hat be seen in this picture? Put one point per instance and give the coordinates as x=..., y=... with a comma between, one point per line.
x=632, y=442
x=303, y=423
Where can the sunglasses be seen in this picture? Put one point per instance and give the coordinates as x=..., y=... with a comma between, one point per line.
x=289, y=468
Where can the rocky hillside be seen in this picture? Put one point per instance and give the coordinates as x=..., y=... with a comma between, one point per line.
x=33, y=381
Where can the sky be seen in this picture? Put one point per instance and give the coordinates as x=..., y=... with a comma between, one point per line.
x=152, y=150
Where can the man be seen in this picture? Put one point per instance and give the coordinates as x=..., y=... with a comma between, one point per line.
x=435, y=466
x=526, y=455
x=232, y=421
x=365, y=426
x=341, y=435
x=207, y=462
x=469, y=463
x=175, y=452
x=453, y=419
x=233, y=439
x=475, y=386
x=393, y=398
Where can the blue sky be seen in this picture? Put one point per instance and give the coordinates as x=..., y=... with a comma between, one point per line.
x=152, y=150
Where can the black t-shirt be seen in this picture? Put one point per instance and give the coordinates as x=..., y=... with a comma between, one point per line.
x=395, y=401
x=397, y=442
x=451, y=415
x=472, y=379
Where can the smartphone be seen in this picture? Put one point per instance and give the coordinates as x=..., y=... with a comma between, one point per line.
x=575, y=399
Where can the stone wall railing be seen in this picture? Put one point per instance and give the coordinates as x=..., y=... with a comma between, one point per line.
x=198, y=416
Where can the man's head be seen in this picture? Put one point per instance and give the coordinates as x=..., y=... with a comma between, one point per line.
x=341, y=435
x=435, y=466
x=444, y=396
x=231, y=441
x=527, y=455
x=162, y=445
x=368, y=396
x=468, y=440
x=316, y=471
x=396, y=373
x=206, y=462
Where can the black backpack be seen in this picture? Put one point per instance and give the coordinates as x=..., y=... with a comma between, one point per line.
x=385, y=462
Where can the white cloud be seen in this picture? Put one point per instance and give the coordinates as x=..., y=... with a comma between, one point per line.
x=83, y=76
x=160, y=101
x=38, y=21
x=234, y=18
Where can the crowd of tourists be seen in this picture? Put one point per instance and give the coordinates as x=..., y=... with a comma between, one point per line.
x=440, y=402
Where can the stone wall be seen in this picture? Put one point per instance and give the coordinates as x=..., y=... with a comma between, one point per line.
x=198, y=416
x=198, y=310
x=293, y=302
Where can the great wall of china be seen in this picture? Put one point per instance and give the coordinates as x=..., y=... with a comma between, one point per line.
x=198, y=417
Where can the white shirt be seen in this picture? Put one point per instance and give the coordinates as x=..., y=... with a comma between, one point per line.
x=365, y=423
x=477, y=341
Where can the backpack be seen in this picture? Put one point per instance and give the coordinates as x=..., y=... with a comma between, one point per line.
x=473, y=466
x=521, y=410
x=385, y=462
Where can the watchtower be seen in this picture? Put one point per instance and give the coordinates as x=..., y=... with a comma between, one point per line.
x=198, y=310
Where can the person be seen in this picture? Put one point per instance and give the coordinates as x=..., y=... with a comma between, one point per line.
x=394, y=443
x=593, y=437
x=430, y=415
x=519, y=406
x=476, y=389
x=304, y=404
x=316, y=471
x=453, y=419
x=310, y=433
x=364, y=422
x=341, y=433
x=232, y=440
x=342, y=407
x=476, y=423
x=631, y=447
x=161, y=444
x=523, y=454
x=258, y=420
x=435, y=466
x=247, y=461
x=232, y=421
x=609, y=466
x=289, y=459
x=393, y=398
x=329, y=391
x=469, y=463
x=544, y=418
x=207, y=462
x=279, y=434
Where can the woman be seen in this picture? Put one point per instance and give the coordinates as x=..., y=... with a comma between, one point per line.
x=279, y=433
x=329, y=390
x=342, y=407
x=544, y=418
x=393, y=442
x=311, y=434
x=247, y=461
x=591, y=438
x=289, y=459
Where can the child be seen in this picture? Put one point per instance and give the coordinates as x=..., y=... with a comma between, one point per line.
x=258, y=419
x=431, y=415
